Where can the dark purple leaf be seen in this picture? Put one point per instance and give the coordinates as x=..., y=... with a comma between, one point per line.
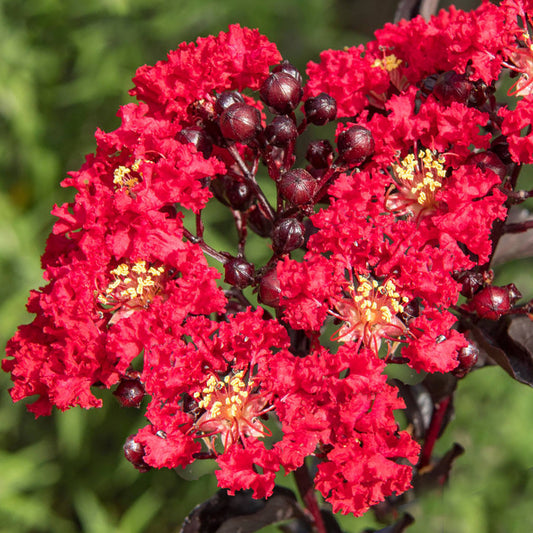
x=398, y=527
x=509, y=343
x=243, y=514
x=436, y=475
x=418, y=406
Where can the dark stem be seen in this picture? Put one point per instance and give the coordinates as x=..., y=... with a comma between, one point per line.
x=307, y=492
x=205, y=247
x=433, y=431
x=517, y=227
x=250, y=178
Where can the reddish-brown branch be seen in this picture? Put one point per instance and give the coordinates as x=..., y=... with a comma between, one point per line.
x=433, y=432
x=307, y=492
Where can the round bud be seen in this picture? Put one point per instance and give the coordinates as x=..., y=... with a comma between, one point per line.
x=320, y=153
x=452, y=87
x=198, y=137
x=471, y=281
x=259, y=223
x=355, y=144
x=297, y=186
x=238, y=273
x=269, y=288
x=281, y=92
x=500, y=146
x=467, y=358
x=240, y=122
x=129, y=392
x=239, y=194
x=410, y=310
x=321, y=109
x=227, y=98
x=232, y=192
x=490, y=161
x=281, y=131
x=288, y=234
x=134, y=453
x=169, y=210
x=289, y=69
x=493, y=302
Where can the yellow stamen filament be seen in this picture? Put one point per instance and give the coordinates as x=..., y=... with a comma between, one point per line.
x=388, y=63
x=134, y=286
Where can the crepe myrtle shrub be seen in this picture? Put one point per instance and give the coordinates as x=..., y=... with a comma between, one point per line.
x=378, y=250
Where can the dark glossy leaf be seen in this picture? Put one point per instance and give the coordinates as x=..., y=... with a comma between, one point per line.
x=436, y=475
x=509, y=343
x=418, y=406
x=398, y=527
x=243, y=514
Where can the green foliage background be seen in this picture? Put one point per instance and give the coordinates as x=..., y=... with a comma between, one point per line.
x=65, y=67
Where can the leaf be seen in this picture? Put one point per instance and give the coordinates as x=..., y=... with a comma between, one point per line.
x=509, y=343
x=241, y=513
x=418, y=407
x=398, y=527
x=436, y=474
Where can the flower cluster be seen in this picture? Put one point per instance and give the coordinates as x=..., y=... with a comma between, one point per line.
x=373, y=238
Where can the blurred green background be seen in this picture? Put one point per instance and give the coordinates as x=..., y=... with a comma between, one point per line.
x=65, y=67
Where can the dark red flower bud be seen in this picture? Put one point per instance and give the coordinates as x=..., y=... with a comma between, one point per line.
x=232, y=192
x=170, y=210
x=239, y=194
x=129, y=392
x=281, y=92
x=197, y=137
x=500, y=147
x=320, y=109
x=240, y=122
x=320, y=153
x=287, y=235
x=289, y=69
x=473, y=281
x=467, y=358
x=227, y=98
x=238, y=273
x=452, y=87
x=489, y=161
x=134, y=453
x=479, y=93
x=269, y=288
x=259, y=223
x=355, y=144
x=410, y=310
x=493, y=302
x=297, y=186
x=281, y=131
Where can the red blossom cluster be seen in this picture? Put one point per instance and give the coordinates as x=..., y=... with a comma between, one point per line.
x=388, y=225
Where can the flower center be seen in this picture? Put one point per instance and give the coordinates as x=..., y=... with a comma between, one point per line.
x=133, y=286
x=418, y=179
x=389, y=63
x=231, y=408
x=370, y=313
x=127, y=177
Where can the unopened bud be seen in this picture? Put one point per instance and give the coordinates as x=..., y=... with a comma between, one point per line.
x=355, y=144
x=240, y=122
x=198, y=138
x=297, y=186
x=320, y=109
x=288, y=234
x=281, y=131
x=320, y=153
x=281, y=92
x=238, y=273
x=269, y=289
x=129, y=392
